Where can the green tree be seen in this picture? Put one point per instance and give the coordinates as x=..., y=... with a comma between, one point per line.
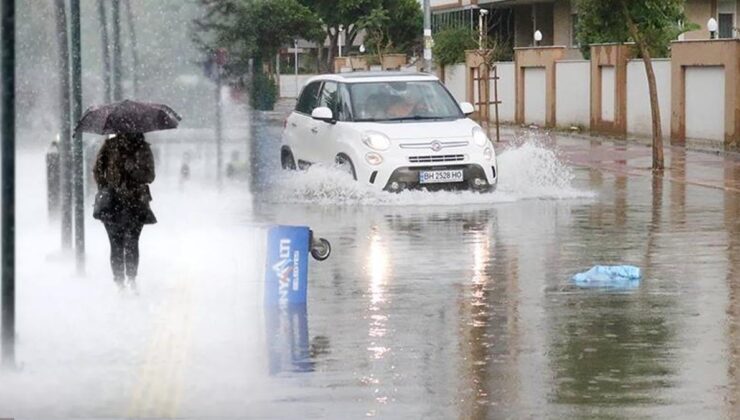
x=335, y=14
x=255, y=28
x=450, y=45
x=402, y=29
x=394, y=25
x=650, y=24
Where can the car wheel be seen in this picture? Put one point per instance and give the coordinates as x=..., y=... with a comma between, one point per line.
x=344, y=163
x=287, y=161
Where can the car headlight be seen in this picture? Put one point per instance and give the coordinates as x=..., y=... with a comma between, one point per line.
x=376, y=141
x=374, y=158
x=479, y=137
x=488, y=153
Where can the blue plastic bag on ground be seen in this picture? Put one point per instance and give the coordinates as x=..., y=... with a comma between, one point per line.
x=609, y=276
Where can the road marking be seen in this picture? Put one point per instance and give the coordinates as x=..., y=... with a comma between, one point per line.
x=158, y=390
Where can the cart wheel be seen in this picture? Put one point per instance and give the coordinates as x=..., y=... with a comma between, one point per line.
x=320, y=249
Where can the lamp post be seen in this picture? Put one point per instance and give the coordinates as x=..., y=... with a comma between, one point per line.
x=481, y=16
x=295, y=64
x=339, y=41
x=537, y=38
x=427, y=54
x=712, y=26
x=220, y=59
x=7, y=171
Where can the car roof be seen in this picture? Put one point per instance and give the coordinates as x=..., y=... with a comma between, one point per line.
x=374, y=76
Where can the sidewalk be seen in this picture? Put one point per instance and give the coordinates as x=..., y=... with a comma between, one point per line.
x=717, y=170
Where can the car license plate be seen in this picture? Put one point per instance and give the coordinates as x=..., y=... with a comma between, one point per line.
x=436, y=177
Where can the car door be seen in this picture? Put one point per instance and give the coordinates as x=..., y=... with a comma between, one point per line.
x=326, y=134
x=300, y=123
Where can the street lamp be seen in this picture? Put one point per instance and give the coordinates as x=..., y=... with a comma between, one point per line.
x=341, y=29
x=537, y=38
x=481, y=16
x=712, y=26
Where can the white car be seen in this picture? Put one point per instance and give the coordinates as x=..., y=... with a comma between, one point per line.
x=390, y=130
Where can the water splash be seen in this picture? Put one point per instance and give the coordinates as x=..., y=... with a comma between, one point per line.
x=528, y=170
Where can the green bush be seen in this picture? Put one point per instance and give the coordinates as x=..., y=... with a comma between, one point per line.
x=263, y=93
x=450, y=45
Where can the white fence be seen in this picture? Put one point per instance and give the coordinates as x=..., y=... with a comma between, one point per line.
x=573, y=93
x=639, y=115
x=455, y=81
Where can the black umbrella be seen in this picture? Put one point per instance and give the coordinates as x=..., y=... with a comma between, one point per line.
x=128, y=117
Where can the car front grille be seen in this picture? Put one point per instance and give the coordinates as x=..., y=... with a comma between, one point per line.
x=436, y=158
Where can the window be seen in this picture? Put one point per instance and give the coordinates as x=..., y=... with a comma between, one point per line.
x=329, y=98
x=402, y=101
x=726, y=25
x=307, y=101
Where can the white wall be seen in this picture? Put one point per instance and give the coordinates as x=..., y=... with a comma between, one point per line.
x=455, y=81
x=705, y=103
x=506, y=92
x=534, y=95
x=288, y=84
x=608, y=79
x=639, y=116
x=573, y=93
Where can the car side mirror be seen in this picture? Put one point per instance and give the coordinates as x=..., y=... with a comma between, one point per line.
x=323, y=113
x=467, y=108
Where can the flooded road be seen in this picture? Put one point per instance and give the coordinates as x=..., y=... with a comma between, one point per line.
x=456, y=306
x=443, y=305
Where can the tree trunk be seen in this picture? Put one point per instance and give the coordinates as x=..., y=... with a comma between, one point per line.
x=333, y=42
x=320, y=58
x=652, y=87
x=102, y=16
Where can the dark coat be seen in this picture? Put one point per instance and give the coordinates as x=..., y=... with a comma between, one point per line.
x=125, y=167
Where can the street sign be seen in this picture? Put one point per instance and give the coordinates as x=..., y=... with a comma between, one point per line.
x=296, y=50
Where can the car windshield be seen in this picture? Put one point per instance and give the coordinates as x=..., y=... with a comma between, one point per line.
x=402, y=101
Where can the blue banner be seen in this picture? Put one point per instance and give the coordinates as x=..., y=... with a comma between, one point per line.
x=286, y=274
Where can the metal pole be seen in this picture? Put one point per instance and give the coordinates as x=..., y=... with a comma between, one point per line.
x=427, y=36
x=65, y=155
x=7, y=172
x=219, y=129
x=105, y=48
x=295, y=63
x=339, y=41
x=134, y=47
x=77, y=161
x=117, y=85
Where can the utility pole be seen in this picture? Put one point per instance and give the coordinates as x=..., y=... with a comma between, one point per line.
x=117, y=71
x=427, y=36
x=7, y=171
x=134, y=47
x=220, y=60
x=102, y=16
x=295, y=64
x=65, y=155
x=79, y=182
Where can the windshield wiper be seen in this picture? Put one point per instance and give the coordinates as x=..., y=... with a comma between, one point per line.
x=415, y=117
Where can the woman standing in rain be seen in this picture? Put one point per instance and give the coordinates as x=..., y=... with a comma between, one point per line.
x=123, y=171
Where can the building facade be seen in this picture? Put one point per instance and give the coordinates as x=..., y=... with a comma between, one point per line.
x=514, y=22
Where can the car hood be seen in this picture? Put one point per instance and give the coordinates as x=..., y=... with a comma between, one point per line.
x=422, y=130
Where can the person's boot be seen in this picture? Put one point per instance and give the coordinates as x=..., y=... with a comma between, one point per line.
x=132, y=285
x=119, y=282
